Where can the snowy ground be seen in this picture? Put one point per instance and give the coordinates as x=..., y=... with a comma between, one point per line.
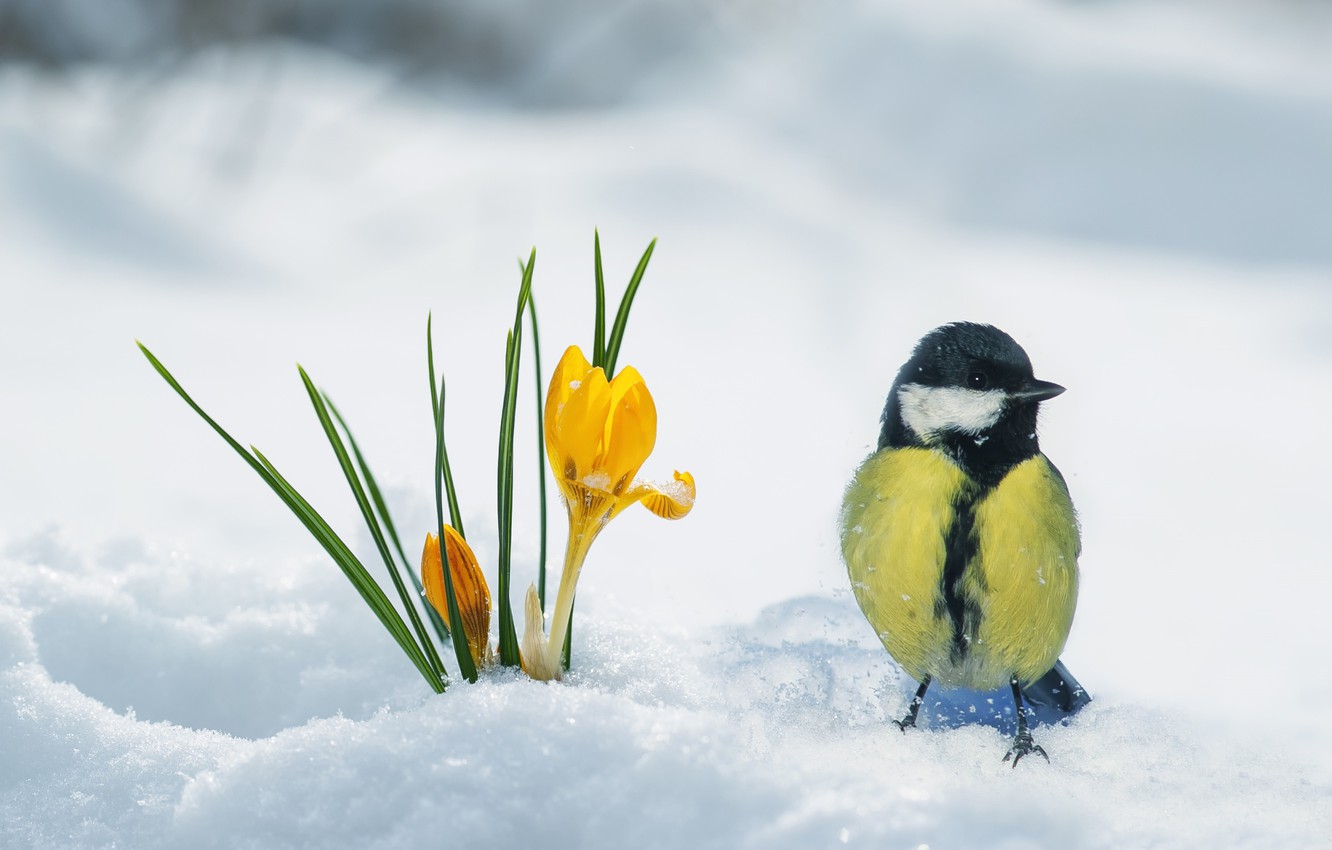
x=1139, y=194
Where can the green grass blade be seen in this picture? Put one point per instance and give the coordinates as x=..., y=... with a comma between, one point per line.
x=566, y=655
x=371, y=485
x=356, y=573
x=461, y=651
x=599, y=332
x=455, y=510
x=175, y=385
x=437, y=405
x=622, y=317
x=381, y=508
x=353, y=569
x=368, y=514
x=430, y=364
x=541, y=450
x=508, y=638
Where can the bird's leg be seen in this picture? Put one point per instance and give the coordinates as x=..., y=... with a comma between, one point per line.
x=910, y=720
x=1022, y=744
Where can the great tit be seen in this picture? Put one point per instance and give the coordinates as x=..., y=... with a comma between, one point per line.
x=959, y=536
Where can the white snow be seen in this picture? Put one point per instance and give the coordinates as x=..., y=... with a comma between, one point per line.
x=1138, y=193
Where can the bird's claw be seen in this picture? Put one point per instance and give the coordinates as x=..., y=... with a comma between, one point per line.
x=1023, y=745
x=906, y=723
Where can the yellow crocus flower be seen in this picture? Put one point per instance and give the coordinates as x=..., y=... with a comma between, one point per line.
x=598, y=434
x=469, y=587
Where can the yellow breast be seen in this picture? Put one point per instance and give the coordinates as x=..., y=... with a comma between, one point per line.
x=1026, y=572
x=1022, y=579
x=894, y=516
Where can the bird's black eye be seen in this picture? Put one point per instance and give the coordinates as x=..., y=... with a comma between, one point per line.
x=978, y=380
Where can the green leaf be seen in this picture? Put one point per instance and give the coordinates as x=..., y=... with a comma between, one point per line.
x=342, y=555
x=437, y=405
x=466, y=666
x=508, y=638
x=622, y=317
x=368, y=514
x=371, y=485
x=599, y=332
x=541, y=451
x=360, y=579
x=381, y=508
x=566, y=654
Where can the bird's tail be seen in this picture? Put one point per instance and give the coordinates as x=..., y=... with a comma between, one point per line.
x=1057, y=690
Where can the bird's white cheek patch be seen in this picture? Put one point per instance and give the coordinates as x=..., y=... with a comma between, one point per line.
x=930, y=410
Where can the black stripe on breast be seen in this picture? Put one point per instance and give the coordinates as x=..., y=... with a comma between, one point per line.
x=961, y=543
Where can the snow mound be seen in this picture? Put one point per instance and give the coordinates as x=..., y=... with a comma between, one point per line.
x=772, y=734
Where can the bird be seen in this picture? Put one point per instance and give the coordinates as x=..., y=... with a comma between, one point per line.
x=959, y=535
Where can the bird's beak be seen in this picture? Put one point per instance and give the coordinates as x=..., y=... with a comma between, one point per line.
x=1037, y=391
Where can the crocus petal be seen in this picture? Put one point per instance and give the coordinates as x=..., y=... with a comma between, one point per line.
x=536, y=660
x=631, y=429
x=580, y=427
x=671, y=501
x=568, y=376
x=469, y=588
x=598, y=434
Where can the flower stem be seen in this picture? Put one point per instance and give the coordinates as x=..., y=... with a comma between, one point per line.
x=580, y=542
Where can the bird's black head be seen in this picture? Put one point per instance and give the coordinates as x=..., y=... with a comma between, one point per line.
x=968, y=389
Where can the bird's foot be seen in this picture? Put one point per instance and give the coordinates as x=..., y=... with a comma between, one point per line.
x=913, y=710
x=1023, y=745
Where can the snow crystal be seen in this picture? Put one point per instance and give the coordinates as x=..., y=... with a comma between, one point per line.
x=598, y=480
